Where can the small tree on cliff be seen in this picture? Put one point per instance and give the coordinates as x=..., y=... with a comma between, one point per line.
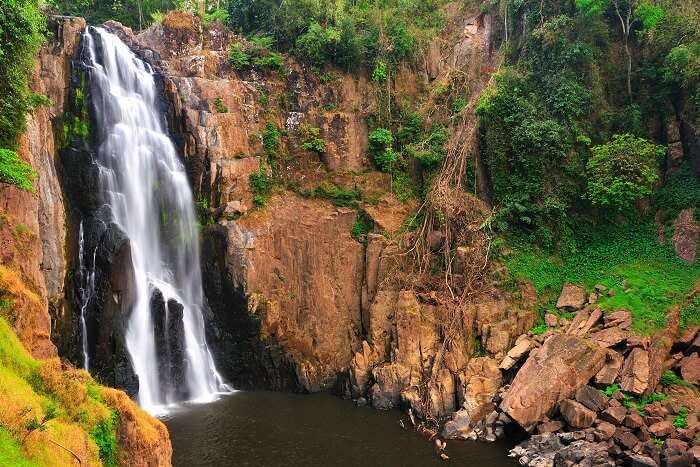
x=628, y=13
x=622, y=171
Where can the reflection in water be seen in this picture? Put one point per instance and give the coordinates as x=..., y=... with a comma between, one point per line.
x=276, y=429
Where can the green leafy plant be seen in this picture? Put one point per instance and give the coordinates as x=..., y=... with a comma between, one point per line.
x=380, y=148
x=681, y=418
x=622, y=171
x=311, y=139
x=669, y=379
x=261, y=184
x=15, y=171
x=219, y=105
x=105, y=437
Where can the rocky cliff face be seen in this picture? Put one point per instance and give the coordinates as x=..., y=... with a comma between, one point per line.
x=296, y=302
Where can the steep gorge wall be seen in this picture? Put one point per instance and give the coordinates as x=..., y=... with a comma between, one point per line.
x=296, y=302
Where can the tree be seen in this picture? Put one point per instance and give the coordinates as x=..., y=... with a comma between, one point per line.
x=626, y=12
x=622, y=171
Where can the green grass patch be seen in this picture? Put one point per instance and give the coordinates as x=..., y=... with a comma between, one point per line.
x=655, y=278
x=105, y=436
x=11, y=452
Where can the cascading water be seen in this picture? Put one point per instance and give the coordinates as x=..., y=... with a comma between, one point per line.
x=145, y=185
x=87, y=289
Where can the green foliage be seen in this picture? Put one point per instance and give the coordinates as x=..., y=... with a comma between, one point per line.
x=11, y=451
x=681, y=191
x=611, y=390
x=381, y=72
x=22, y=29
x=340, y=33
x=137, y=14
x=339, y=196
x=271, y=137
x=15, y=171
x=238, y=58
x=311, y=139
x=539, y=329
x=608, y=254
x=219, y=106
x=681, y=418
x=380, y=150
x=105, y=436
x=362, y=226
x=669, y=379
x=622, y=171
x=261, y=184
x=650, y=14
x=256, y=52
x=219, y=14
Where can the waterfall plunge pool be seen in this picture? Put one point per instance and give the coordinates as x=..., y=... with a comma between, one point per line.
x=271, y=429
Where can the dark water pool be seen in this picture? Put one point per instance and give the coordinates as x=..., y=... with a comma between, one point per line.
x=272, y=429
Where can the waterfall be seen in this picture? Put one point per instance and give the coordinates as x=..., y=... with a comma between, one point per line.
x=87, y=289
x=150, y=199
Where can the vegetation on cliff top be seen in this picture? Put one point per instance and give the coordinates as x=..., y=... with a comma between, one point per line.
x=22, y=28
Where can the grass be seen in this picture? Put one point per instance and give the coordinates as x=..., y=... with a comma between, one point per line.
x=11, y=452
x=656, y=279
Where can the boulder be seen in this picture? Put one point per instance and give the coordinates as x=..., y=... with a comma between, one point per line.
x=686, y=235
x=459, y=427
x=592, y=398
x=626, y=440
x=695, y=450
x=642, y=461
x=608, y=374
x=635, y=372
x=604, y=431
x=610, y=336
x=614, y=415
x=478, y=385
x=565, y=362
x=551, y=320
x=690, y=368
x=661, y=429
x=515, y=354
x=576, y=414
x=572, y=297
x=620, y=318
x=551, y=426
x=633, y=420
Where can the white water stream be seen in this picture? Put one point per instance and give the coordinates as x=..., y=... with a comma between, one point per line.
x=145, y=184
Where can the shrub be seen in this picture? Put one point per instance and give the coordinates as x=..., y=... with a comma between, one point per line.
x=311, y=139
x=22, y=26
x=238, y=58
x=219, y=105
x=681, y=419
x=271, y=137
x=380, y=151
x=15, y=171
x=381, y=72
x=622, y=171
x=681, y=190
x=105, y=437
x=261, y=183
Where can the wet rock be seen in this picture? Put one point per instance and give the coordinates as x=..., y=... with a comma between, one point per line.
x=690, y=369
x=459, y=427
x=572, y=297
x=576, y=414
x=608, y=374
x=592, y=398
x=566, y=362
x=169, y=339
x=635, y=372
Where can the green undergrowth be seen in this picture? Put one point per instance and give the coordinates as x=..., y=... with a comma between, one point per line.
x=614, y=256
x=43, y=399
